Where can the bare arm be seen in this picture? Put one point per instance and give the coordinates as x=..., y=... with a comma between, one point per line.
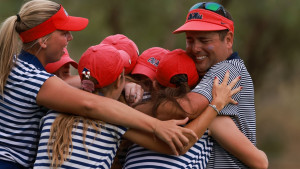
x=236, y=143
x=58, y=95
x=73, y=81
x=193, y=103
x=246, y=151
x=221, y=96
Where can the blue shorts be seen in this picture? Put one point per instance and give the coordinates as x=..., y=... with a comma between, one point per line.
x=10, y=165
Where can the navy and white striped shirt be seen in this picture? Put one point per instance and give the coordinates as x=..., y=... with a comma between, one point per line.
x=101, y=147
x=243, y=114
x=19, y=113
x=196, y=157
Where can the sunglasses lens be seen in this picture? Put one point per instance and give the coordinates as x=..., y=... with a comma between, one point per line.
x=212, y=6
x=197, y=6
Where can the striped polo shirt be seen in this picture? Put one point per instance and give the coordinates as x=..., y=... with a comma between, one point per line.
x=101, y=147
x=197, y=157
x=19, y=113
x=243, y=114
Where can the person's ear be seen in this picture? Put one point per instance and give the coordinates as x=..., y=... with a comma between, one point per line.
x=229, y=39
x=42, y=42
x=118, y=82
x=155, y=85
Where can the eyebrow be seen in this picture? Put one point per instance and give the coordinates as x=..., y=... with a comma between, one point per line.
x=199, y=38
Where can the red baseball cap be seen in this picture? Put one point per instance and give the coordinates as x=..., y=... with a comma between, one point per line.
x=173, y=63
x=102, y=62
x=59, y=21
x=148, y=61
x=122, y=42
x=205, y=20
x=53, y=67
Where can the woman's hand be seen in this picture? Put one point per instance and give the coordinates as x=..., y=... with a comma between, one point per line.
x=222, y=93
x=133, y=93
x=174, y=135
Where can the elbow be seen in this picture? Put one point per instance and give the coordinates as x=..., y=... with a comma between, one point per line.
x=262, y=163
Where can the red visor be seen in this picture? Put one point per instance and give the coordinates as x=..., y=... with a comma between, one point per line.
x=53, y=67
x=205, y=20
x=59, y=21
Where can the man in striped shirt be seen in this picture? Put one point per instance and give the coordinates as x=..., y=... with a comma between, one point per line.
x=209, y=39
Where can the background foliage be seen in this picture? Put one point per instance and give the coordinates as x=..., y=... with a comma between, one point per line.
x=266, y=36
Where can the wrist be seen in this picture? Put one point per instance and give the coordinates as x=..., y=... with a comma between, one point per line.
x=215, y=108
x=219, y=105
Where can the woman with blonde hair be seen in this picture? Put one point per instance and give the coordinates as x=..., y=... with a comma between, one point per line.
x=26, y=88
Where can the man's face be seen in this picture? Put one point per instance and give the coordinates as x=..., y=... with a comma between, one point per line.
x=206, y=49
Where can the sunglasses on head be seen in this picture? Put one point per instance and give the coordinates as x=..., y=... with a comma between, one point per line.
x=212, y=6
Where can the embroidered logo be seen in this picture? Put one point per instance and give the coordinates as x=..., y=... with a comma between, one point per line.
x=153, y=61
x=195, y=15
x=86, y=72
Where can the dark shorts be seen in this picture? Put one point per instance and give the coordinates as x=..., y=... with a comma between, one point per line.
x=10, y=165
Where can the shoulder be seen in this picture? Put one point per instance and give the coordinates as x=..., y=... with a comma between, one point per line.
x=26, y=70
x=234, y=66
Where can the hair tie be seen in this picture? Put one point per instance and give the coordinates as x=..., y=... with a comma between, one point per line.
x=18, y=18
x=88, y=85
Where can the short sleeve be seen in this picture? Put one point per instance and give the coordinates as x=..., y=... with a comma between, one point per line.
x=206, y=84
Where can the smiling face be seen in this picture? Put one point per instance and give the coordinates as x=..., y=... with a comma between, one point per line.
x=206, y=48
x=55, y=45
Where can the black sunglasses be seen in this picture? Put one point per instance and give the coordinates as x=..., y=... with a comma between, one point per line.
x=212, y=6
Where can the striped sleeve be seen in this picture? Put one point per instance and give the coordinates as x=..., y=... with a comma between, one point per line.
x=206, y=84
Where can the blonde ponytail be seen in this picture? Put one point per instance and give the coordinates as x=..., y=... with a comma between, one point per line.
x=60, y=140
x=9, y=47
x=31, y=14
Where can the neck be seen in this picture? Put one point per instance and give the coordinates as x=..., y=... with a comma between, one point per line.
x=39, y=54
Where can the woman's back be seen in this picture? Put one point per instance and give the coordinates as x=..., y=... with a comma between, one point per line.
x=101, y=145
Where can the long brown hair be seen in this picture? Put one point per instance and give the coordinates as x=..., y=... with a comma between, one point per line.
x=165, y=94
x=30, y=15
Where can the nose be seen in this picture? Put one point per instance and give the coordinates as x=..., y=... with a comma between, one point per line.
x=197, y=46
x=69, y=36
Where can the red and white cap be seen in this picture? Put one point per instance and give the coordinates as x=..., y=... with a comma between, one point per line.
x=102, y=62
x=148, y=61
x=53, y=67
x=205, y=20
x=122, y=42
x=173, y=63
x=59, y=21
